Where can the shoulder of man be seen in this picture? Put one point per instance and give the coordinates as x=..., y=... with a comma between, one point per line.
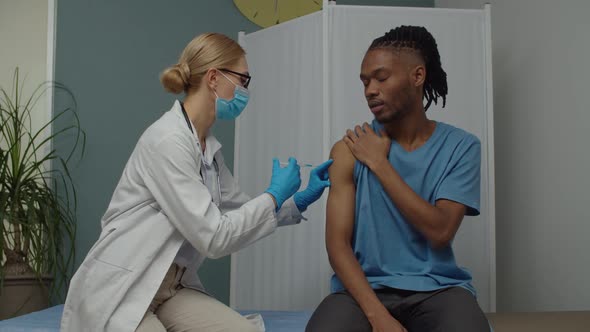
x=459, y=136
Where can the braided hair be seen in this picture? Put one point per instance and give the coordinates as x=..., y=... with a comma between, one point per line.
x=420, y=40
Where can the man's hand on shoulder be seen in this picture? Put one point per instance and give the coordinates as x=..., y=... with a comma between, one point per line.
x=367, y=146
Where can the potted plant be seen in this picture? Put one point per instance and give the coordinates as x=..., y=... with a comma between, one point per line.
x=37, y=199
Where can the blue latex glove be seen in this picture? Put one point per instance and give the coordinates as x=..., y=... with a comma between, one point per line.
x=318, y=181
x=284, y=181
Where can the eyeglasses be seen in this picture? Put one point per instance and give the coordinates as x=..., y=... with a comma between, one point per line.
x=244, y=77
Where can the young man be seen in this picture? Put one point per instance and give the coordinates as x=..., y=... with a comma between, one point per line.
x=400, y=189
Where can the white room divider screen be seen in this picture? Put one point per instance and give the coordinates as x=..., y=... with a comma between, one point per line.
x=305, y=93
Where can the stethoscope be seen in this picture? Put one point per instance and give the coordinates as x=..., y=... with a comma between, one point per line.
x=188, y=123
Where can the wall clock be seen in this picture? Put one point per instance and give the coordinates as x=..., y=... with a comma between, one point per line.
x=266, y=13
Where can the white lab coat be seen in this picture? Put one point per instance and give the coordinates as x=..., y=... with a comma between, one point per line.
x=161, y=201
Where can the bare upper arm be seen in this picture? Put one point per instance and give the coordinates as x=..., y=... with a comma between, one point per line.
x=341, y=197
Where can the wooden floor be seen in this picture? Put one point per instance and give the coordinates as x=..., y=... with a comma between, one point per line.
x=566, y=321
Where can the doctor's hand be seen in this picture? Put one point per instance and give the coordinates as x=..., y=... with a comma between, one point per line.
x=284, y=181
x=318, y=181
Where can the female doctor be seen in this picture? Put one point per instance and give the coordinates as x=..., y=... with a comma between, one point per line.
x=176, y=204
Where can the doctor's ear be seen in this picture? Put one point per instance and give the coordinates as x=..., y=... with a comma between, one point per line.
x=211, y=78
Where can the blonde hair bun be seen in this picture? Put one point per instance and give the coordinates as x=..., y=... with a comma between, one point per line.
x=175, y=79
x=208, y=50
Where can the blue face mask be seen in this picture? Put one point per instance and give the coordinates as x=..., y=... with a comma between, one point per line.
x=231, y=109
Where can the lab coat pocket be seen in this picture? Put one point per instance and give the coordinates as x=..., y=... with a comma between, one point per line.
x=103, y=289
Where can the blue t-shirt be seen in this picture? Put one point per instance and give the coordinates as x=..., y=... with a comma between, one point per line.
x=391, y=252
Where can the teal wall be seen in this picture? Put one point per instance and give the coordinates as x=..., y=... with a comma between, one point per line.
x=110, y=54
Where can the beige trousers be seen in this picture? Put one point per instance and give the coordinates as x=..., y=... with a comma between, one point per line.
x=178, y=309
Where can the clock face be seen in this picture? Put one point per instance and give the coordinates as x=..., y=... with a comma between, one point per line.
x=266, y=13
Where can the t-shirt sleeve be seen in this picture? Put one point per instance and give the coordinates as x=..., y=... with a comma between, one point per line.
x=461, y=183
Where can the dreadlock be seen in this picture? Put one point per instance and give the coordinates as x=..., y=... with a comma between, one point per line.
x=420, y=40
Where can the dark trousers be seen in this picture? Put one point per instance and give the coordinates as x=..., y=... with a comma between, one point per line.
x=450, y=310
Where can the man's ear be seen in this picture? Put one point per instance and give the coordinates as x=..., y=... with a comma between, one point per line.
x=418, y=75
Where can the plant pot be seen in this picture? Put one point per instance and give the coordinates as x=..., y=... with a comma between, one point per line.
x=23, y=294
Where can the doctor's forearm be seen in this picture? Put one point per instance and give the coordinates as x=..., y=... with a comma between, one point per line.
x=238, y=228
x=289, y=214
x=273, y=199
